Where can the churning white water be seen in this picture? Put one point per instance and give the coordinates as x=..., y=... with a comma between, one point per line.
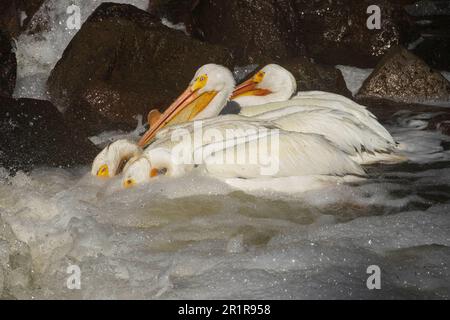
x=196, y=237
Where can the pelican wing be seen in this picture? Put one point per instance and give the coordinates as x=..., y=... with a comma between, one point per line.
x=339, y=127
x=325, y=100
x=281, y=155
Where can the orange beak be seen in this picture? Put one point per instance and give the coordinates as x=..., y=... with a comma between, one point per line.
x=185, y=99
x=184, y=109
x=249, y=88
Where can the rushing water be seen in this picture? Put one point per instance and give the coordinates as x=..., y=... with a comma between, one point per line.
x=196, y=237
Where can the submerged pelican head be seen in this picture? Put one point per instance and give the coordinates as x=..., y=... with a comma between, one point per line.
x=273, y=83
x=153, y=163
x=112, y=160
x=207, y=94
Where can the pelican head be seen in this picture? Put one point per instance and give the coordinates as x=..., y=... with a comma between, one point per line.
x=273, y=83
x=112, y=160
x=205, y=97
x=153, y=163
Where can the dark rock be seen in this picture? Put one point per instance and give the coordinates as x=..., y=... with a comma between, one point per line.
x=433, y=42
x=441, y=122
x=11, y=11
x=8, y=66
x=385, y=109
x=34, y=134
x=444, y=127
x=336, y=32
x=313, y=76
x=251, y=28
x=403, y=77
x=436, y=52
x=124, y=62
x=101, y=107
x=175, y=11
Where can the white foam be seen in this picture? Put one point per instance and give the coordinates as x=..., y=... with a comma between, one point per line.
x=354, y=77
x=179, y=26
x=196, y=237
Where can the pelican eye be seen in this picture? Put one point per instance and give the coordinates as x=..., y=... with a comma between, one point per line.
x=103, y=171
x=129, y=183
x=259, y=76
x=158, y=172
x=200, y=82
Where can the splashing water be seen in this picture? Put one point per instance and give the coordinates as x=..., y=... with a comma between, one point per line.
x=195, y=237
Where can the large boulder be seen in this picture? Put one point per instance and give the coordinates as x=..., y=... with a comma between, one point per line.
x=124, y=62
x=336, y=32
x=330, y=31
x=401, y=76
x=313, y=76
x=33, y=133
x=8, y=66
x=251, y=28
x=175, y=11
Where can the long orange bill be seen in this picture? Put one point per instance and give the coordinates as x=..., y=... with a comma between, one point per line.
x=249, y=88
x=244, y=87
x=185, y=99
x=153, y=117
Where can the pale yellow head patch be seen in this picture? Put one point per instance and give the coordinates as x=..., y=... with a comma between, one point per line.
x=200, y=82
x=129, y=183
x=103, y=172
x=259, y=77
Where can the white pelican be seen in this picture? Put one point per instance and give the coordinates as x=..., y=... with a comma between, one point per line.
x=302, y=154
x=112, y=159
x=205, y=97
x=334, y=116
x=273, y=83
x=295, y=154
x=344, y=122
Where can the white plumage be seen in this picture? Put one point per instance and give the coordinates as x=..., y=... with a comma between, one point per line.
x=285, y=154
x=347, y=124
x=339, y=127
x=315, y=134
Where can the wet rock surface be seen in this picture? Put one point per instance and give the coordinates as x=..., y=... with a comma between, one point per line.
x=313, y=76
x=386, y=110
x=8, y=66
x=34, y=134
x=175, y=11
x=251, y=28
x=441, y=122
x=124, y=62
x=336, y=32
x=330, y=31
x=403, y=77
x=432, y=23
